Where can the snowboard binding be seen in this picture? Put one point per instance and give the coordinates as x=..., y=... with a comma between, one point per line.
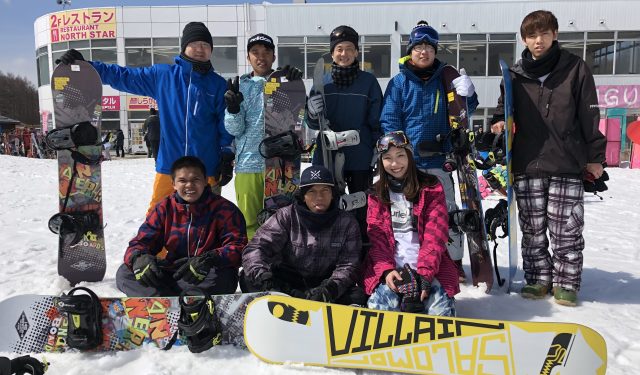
x=80, y=134
x=272, y=205
x=464, y=221
x=494, y=218
x=286, y=145
x=84, y=314
x=74, y=224
x=198, y=323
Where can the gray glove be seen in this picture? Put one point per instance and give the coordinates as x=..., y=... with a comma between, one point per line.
x=315, y=106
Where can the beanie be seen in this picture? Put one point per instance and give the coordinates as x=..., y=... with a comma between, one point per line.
x=343, y=34
x=195, y=32
x=423, y=33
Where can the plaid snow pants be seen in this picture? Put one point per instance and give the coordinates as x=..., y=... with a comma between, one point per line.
x=555, y=204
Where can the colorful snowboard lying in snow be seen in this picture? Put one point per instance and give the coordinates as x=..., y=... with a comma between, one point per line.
x=33, y=324
x=282, y=329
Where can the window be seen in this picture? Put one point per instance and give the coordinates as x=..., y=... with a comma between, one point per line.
x=628, y=52
x=600, y=51
x=316, y=47
x=473, y=54
x=501, y=47
x=42, y=60
x=110, y=120
x=225, y=55
x=138, y=52
x=291, y=52
x=104, y=50
x=376, y=55
x=573, y=42
x=448, y=49
x=165, y=50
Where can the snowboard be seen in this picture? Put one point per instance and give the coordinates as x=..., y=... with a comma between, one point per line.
x=77, y=98
x=462, y=132
x=318, y=88
x=509, y=132
x=33, y=324
x=633, y=131
x=281, y=329
x=284, y=103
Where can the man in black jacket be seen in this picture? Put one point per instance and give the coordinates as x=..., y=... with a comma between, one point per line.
x=119, y=143
x=151, y=129
x=557, y=139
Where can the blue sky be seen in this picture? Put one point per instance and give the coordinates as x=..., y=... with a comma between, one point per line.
x=17, y=42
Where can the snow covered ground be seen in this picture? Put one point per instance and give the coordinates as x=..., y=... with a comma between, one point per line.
x=609, y=299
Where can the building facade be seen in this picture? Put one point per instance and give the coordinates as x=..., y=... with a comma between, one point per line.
x=473, y=35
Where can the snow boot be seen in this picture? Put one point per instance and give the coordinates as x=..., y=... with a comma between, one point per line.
x=341, y=139
x=565, y=297
x=353, y=201
x=534, y=291
x=84, y=315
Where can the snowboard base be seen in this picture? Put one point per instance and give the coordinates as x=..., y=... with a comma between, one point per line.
x=281, y=329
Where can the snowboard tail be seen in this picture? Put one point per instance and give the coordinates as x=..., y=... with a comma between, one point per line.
x=281, y=329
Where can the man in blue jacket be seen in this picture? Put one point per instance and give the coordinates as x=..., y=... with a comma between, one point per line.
x=415, y=102
x=191, y=97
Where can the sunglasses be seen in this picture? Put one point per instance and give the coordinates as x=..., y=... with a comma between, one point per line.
x=396, y=138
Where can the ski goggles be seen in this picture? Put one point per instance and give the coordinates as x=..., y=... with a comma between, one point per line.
x=344, y=33
x=424, y=34
x=396, y=138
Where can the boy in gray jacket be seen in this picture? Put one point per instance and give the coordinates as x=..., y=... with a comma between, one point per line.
x=310, y=249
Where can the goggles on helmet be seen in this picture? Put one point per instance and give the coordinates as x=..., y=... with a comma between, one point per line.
x=396, y=138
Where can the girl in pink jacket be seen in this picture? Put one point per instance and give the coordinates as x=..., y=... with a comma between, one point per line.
x=408, y=267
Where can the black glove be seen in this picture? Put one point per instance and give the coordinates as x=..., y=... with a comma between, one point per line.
x=327, y=291
x=592, y=184
x=291, y=73
x=70, y=57
x=265, y=281
x=411, y=287
x=226, y=167
x=195, y=270
x=27, y=365
x=233, y=97
x=146, y=270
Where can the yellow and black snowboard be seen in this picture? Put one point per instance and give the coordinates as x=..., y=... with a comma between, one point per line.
x=281, y=329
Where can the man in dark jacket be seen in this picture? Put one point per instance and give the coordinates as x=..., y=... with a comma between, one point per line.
x=557, y=139
x=151, y=129
x=352, y=101
x=202, y=232
x=310, y=249
x=119, y=143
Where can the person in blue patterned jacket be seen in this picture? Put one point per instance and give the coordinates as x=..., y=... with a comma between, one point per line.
x=415, y=102
x=202, y=232
x=244, y=119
